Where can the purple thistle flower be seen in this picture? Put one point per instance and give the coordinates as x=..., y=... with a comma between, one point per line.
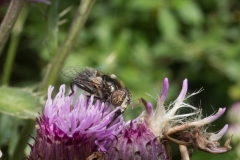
x=146, y=136
x=136, y=141
x=68, y=130
x=186, y=129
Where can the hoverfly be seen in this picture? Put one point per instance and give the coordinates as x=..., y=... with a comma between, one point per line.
x=107, y=88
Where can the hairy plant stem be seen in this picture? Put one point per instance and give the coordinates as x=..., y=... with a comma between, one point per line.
x=9, y=20
x=23, y=139
x=13, y=45
x=55, y=67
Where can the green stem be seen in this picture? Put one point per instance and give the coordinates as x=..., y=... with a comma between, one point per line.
x=23, y=139
x=53, y=27
x=55, y=67
x=9, y=20
x=12, y=48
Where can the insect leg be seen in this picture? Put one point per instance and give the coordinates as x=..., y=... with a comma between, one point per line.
x=71, y=88
x=116, y=114
x=98, y=98
x=83, y=87
x=91, y=92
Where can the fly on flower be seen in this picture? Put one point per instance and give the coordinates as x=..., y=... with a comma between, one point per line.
x=107, y=88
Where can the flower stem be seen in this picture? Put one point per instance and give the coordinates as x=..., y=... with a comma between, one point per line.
x=23, y=139
x=184, y=152
x=53, y=20
x=9, y=20
x=17, y=29
x=55, y=67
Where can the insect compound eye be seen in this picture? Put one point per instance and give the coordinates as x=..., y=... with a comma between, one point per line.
x=117, y=97
x=128, y=96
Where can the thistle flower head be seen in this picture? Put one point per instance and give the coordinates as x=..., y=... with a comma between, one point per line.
x=185, y=129
x=136, y=141
x=145, y=136
x=87, y=129
x=74, y=130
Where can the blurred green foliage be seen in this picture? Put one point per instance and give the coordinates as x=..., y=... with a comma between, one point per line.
x=141, y=42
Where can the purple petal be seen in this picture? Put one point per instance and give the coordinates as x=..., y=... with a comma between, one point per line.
x=149, y=108
x=218, y=150
x=199, y=123
x=216, y=137
x=183, y=91
x=179, y=100
x=164, y=90
x=209, y=119
x=160, y=110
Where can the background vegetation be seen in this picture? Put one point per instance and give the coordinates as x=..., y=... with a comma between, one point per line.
x=141, y=42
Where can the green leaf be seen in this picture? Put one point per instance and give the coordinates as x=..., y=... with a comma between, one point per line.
x=190, y=13
x=167, y=23
x=143, y=5
x=21, y=103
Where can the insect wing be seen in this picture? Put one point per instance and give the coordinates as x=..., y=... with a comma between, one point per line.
x=72, y=72
x=85, y=78
x=80, y=73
